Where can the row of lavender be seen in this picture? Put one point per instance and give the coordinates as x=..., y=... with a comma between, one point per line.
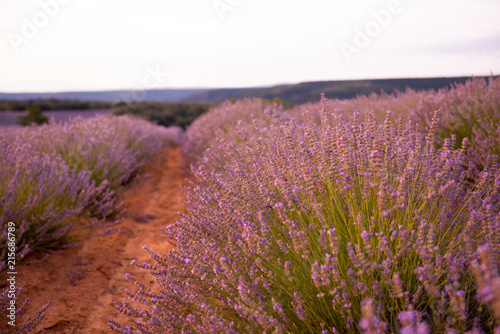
x=52, y=174
x=470, y=110
x=321, y=225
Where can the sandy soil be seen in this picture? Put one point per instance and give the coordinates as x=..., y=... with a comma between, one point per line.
x=82, y=282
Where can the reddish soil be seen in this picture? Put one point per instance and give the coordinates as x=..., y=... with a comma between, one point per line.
x=104, y=254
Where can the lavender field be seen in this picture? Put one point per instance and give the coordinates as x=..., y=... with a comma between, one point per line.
x=53, y=174
x=336, y=217
x=377, y=214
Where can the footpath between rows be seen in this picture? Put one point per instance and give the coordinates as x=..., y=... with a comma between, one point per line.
x=82, y=282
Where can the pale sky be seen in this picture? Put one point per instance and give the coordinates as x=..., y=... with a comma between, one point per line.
x=67, y=45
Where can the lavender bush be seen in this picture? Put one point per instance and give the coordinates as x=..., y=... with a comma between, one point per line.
x=335, y=228
x=219, y=122
x=470, y=110
x=51, y=174
x=110, y=147
x=41, y=195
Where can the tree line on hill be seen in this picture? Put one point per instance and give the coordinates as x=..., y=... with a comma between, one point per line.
x=162, y=113
x=53, y=104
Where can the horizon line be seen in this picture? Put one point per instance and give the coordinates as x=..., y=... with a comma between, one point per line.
x=204, y=88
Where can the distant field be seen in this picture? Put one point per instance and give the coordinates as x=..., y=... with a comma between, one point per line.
x=9, y=118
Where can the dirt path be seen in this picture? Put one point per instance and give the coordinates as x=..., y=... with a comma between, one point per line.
x=82, y=282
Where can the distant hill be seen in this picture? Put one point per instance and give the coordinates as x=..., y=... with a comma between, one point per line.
x=310, y=91
x=170, y=95
x=289, y=94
